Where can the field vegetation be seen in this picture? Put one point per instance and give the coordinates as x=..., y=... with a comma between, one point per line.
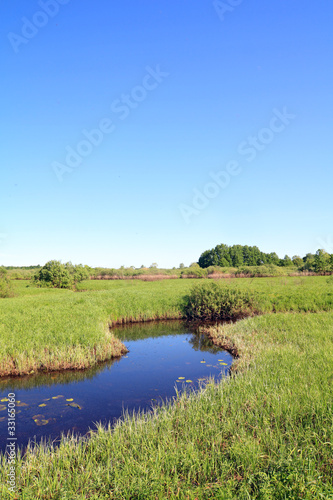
x=223, y=261
x=244, y=255
x=6, y=289
x=51, y=329
x=265, y=433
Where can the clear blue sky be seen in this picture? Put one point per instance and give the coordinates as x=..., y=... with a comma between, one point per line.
x=180, y=90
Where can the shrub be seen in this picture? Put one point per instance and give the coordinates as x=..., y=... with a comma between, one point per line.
x=5, y=284
x=57, y=275
x=194, y=271
x=214, y=301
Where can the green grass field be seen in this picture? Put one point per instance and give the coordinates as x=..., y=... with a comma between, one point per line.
x=265, y=433
x=57, y=329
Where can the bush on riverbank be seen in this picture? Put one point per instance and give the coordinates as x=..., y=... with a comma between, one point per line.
x=213, y=301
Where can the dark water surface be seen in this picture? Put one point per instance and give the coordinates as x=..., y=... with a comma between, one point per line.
x=161, y=356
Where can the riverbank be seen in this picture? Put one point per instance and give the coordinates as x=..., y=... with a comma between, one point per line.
x=265, y=433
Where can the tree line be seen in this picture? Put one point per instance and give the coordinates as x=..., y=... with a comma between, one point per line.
x=244, y=255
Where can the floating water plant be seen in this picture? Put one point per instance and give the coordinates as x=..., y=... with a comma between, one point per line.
x=74, y=405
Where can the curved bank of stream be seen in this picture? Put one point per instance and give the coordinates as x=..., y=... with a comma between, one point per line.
x=162, y=356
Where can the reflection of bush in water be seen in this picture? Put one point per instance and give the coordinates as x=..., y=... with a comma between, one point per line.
x=154, y=329
x=53, y=378
x=201, y=342
x=150, y=329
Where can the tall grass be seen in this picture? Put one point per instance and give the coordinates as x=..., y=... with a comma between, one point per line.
x=264, y=434
x=43, y=329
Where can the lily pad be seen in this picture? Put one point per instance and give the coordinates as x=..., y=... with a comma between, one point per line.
x=41, y=420
x=202, y=361
x=181, y=378
x=71, y=399
x=4, y=399
x=74, y=405
x=43, y=404
x=20, y=403
x=189, y=381
x=57, y=397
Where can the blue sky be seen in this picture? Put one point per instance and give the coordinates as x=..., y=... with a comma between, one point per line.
x=180, y=91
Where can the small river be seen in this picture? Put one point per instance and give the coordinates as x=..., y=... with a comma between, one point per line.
x=162, y=356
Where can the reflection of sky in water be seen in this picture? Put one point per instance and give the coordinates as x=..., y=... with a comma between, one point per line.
x=149, y=372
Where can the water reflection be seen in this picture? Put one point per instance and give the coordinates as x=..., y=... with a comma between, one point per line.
x=162, y=356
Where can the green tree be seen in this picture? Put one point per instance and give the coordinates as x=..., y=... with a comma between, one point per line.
x=309, y=262
x=331, y=263
x=206, y=259
x=224, y=263
x=236, y=254
x=274, y=258
x=286, y=261
x=321, y=261
x=297, y=261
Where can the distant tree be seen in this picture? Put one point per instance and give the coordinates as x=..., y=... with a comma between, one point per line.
x=142, y=267
x=224, y=263
x=153, y=265
x=236, y=254
x=206, y=259
x=286, y=261
x=273, y=258
x=330, y=262
x=222, y=254
x=309, y=262
x=297, y=261
x=321, y=261
x=181, y=266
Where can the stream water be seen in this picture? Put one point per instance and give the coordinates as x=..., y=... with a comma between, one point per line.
x=162, y=356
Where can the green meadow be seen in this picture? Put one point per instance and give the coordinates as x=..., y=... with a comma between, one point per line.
x=47, y=328
x=264, y=433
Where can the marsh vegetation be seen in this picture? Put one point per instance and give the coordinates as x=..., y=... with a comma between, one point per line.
x=266, y=433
